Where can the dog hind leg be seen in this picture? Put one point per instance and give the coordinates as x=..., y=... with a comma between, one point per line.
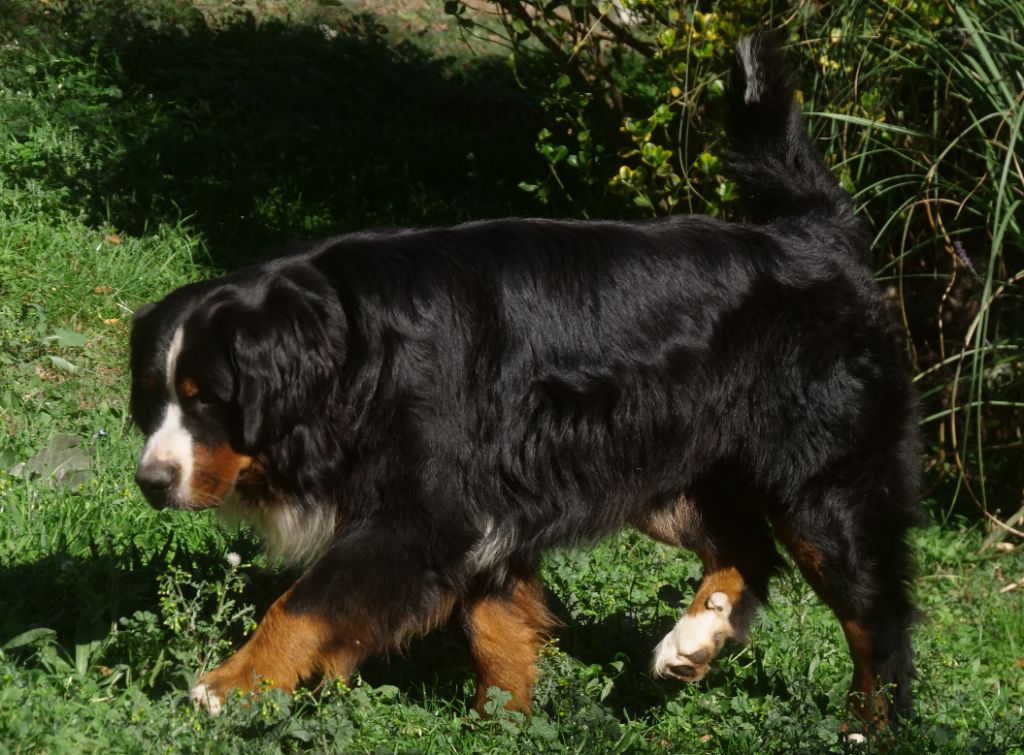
x=739, y=558
x=853, y=552
x=505, y=631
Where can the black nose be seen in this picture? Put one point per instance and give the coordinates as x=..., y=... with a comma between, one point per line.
x=156, y=480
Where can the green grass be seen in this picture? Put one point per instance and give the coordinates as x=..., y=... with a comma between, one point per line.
x=123, y=173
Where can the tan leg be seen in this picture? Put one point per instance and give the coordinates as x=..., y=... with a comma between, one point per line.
x=722, y=609
x=505, y=632
x=868, y=704
x=285, y=649
x=289, y=647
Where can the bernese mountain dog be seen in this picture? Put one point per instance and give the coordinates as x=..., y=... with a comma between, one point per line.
x=416, y=416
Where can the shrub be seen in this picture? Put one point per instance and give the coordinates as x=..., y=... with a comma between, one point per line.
x=918, y=108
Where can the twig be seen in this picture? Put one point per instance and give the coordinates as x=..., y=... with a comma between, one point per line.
x=998, y=534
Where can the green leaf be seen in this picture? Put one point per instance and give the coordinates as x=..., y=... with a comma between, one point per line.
x=7, y=459
x=62, y=364
x=36, y=636
x=66, y=339
x=497, y=699
x=8, y=400
x=543, y=729
x=867, y=122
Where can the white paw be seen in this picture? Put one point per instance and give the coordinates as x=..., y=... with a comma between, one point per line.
x=203, y=698
x=687, y=651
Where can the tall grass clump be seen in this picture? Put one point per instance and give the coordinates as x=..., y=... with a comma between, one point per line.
x=927, y=128
x=918, y=107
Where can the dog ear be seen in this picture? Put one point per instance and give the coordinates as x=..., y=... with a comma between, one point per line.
x=142, y=310
x=285, y=354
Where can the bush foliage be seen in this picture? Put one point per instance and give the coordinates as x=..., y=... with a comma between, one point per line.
x=917, y=106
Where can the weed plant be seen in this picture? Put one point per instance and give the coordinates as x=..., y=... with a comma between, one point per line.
x=146, y=144
x=918, y=106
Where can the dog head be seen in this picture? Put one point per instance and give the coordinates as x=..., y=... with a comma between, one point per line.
x=223, y=372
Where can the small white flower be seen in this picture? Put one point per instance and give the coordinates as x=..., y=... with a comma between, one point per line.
x=234, y=560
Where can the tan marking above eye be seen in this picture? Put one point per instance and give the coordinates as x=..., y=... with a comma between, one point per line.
x=152, y=382
x=188, y=388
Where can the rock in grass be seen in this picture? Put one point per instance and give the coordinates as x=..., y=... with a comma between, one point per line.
x=64, y=460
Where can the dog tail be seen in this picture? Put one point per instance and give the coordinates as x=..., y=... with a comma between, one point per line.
x=779, y=171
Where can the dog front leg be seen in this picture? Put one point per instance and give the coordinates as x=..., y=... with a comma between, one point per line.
x=287, y=647
x=371, y=591
x=505, y=630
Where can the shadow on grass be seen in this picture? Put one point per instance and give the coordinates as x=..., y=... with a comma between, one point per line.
x=260, y=133
x=72, y=596
x=78, y=600
x=81, y=598
x=439, y=665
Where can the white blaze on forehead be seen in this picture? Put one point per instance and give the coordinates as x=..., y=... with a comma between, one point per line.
x=172, y=443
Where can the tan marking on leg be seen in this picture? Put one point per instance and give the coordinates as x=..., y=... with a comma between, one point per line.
x=421, y=625
x=285, y=649
x=866, y=701
x=722, y=609
x=505, y=633
x=724, y=605
x=807, y=558
x=288, y=648
x=718, y=577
